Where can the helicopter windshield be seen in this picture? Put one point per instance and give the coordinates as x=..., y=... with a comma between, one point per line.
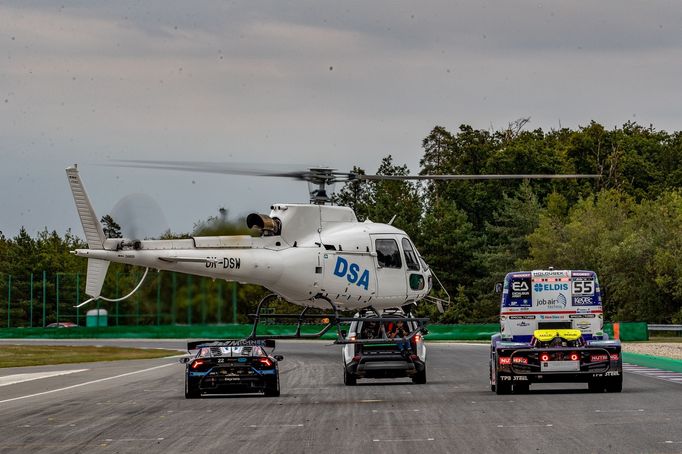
x=410, y=255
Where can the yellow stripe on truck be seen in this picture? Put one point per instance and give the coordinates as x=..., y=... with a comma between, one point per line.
x=546, y=335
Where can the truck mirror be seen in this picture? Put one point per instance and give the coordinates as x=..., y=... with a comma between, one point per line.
x=184, y=360
x=498, y=287
x=279, y=357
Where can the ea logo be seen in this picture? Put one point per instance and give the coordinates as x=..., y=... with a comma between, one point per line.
x=351, y=272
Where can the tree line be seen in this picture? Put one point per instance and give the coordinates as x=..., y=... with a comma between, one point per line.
x=626, y=225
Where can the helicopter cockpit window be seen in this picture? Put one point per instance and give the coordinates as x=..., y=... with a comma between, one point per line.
x=388, y=254
x=410, y=255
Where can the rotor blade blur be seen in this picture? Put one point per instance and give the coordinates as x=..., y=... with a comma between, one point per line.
x=207, y=167
x=473, y=177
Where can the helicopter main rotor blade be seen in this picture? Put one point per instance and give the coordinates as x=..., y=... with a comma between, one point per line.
x=321, y=175
x=472, y=177
x=207, y=167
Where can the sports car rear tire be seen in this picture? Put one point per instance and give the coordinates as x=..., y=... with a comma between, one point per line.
x=191, y=392
x=273, y=389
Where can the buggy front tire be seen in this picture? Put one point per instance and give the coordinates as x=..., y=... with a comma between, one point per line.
x=349, y=379
x=420, y=378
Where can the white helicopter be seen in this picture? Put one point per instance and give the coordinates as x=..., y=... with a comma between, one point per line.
x=313, y=255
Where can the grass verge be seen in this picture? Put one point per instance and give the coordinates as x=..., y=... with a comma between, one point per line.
x=41, y=355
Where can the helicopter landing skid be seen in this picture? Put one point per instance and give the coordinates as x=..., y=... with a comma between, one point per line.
x=331, y=321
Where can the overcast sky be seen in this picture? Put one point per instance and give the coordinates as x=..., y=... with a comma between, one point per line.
x=305, y=82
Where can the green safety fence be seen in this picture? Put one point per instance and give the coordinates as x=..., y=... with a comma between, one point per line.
x=436, y=332
x=35, y=300
x=480, y=332
x=631, y=331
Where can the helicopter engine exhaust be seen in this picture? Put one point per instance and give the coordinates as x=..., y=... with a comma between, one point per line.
x=269, y=226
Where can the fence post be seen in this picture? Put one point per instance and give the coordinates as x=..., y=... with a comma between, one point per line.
x=189, y=299
x=30, y=323
x=174, y=308
x=116, y=293
x=234, y=303
x=78, y=298
x=137, y=303
x=158, y=298
x=220, y=302
x=57, y=300
x=9, y=298
x=44, y=295
x=203, y=300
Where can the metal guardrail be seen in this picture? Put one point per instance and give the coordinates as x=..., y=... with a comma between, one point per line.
x=664, y=327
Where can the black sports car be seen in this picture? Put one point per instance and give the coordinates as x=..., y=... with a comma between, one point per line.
x=232, y=366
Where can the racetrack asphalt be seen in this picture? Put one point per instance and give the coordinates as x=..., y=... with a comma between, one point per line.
x=139, y=406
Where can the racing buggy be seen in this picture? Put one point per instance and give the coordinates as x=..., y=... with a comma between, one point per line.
x=231, y=366
x=390, y=345
x=551, y=330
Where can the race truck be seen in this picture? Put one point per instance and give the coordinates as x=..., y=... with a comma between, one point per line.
x=231, y=366
x=386, y=345
x=551, y=330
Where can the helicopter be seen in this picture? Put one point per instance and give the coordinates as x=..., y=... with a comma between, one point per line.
x=314, y=255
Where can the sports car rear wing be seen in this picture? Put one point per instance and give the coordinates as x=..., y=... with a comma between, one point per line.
x=268, y=343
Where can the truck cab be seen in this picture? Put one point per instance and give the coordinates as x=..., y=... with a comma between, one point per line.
x=551, y=330
x=550, y=299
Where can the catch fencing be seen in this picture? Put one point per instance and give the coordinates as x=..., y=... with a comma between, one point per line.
x=37, y=300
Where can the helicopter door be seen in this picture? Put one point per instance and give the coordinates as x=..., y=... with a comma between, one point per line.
x=416, y=282
x=390, y=271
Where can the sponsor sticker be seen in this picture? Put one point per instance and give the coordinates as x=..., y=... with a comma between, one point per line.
x=552, y=303
x=550, y=287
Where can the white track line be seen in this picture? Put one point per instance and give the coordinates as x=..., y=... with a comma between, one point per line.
x=86, y=383
x=21, y=378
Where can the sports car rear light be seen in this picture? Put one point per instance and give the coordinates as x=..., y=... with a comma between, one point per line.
x=265, y=361
x=574, y=356
x=197, y=363
x=520, y=360
x=504, y=360
x=352, y=338
x=614, y=356
x=597, y=358
x=544, y=357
